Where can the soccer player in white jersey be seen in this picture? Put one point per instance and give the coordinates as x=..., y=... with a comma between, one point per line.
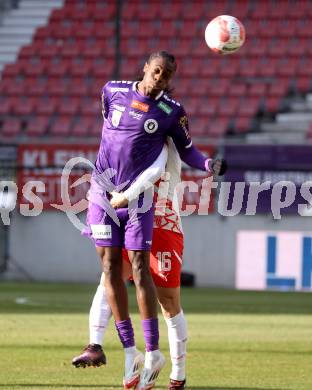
x=165, y=263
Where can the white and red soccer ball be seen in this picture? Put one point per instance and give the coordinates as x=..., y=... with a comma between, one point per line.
x=225, y=34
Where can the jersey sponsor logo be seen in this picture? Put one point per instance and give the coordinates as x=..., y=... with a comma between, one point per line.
x=150, y=126
x=163, y=106
x=101, y=231
x=119, y=89
x=135, y=115
x=116, y=116
x=139, y=106
x=118, y=107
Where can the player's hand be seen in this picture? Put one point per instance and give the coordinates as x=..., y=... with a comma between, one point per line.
x=218, y=166
x=118, y=200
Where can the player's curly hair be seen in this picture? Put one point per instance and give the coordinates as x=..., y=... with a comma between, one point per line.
x=170, y=58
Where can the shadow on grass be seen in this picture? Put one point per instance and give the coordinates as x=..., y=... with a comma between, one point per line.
x=107, y=387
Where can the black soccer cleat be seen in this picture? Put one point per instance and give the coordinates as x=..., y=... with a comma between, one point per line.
x=91, y=356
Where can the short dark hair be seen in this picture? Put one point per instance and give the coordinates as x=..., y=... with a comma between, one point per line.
x=170, y=58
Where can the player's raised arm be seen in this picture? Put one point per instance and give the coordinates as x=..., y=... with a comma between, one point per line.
x=146, y=179
x=188, y=152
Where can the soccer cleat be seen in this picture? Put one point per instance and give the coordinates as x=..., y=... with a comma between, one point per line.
x=176, y=385
x=149, y=375
x=132, y=376
x=92, y=355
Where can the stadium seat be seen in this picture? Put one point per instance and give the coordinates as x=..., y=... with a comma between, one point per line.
x=218, y=127
x=68, y=107
x=208, y=107
x=248, y=107
x=227, y=107
x=242, y=124
x=47, y=106
x=23, y=106
x=61, y=127
x=10, y=127
x=6, y=105
x=91, y=107
x=237, y=90
x=37, y=126
x=82, y=128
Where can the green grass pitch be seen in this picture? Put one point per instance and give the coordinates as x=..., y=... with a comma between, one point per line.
x=237, y=340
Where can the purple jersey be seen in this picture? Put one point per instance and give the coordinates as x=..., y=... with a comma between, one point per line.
x=135, y=129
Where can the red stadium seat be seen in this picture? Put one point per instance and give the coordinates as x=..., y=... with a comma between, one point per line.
x=237, y=90
x=148, y=11
x=78, y=87
x=257, y=89
x=267, y=67
x=24, y=106
x=248, y=107
x=91, y=108
x=272, y=104
x=47, y=106
x=287, y=68
x=61, y=127
x=27, y=52
x=208, y=107
x=6, y=105
x=37, y=126
x=227, y=107
x=57, y=87
x=80, y=68
x=57, y=68
x=82, y=128
x=242, y=124
x=10, y=127
x=12, y=70
x=219, y=87
x=68, y=107
x=218, y=128
x=15, y=88
x=303, y=84
x=279, y=87
x=172, y=10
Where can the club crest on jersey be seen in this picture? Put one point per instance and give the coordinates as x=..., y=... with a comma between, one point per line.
x=116, y=116
x=139, y=106
x=150, y=126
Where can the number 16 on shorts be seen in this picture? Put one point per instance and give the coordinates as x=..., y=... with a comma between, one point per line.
x=164, y=261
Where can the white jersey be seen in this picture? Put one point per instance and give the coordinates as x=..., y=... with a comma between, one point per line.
x=167, y=213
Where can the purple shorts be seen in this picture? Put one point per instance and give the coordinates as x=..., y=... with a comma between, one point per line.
x=133, y=233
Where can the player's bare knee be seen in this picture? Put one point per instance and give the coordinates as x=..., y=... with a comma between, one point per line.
x=169, y=306
x=111, y=271
x=140, y=268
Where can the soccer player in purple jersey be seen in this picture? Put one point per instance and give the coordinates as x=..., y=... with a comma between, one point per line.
x=138, y=118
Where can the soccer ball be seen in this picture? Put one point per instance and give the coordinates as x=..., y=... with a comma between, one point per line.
x=225, y=34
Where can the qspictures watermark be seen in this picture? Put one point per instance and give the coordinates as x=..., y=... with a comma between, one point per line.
x=229, y=203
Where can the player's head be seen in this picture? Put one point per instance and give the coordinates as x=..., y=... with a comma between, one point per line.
x=158, y=71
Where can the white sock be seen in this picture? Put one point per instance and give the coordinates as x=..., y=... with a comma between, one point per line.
x=150, y=358
x=130, y=354
x=100, y=313
x=177, y=336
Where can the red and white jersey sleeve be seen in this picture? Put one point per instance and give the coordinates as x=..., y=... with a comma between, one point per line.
x=167, y=214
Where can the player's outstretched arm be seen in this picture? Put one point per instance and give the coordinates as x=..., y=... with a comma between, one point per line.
x=188, y=152
x=146, y=179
